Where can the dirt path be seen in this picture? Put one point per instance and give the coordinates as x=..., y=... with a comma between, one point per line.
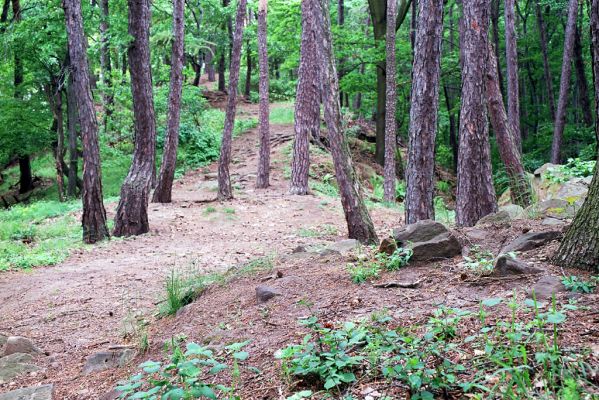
x=81, y=306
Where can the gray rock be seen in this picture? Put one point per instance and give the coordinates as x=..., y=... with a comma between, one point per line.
x=345, y=246
x=3, y=341
x=555, y=208
x=20, y=344
x=43, y=392
x=477, y=234
x=441, y=246
x=299, y=249
x=495, y=218
x=506, y=265
x=112, y=395
x=108, y=359
x=540, y=172
x=388, y=246
x=420, y=231
x=14, y=365
x=531, y=240
x=515, y=211
x=574, y=192
x=546, y=287
x=550, y=221
x=265, y=293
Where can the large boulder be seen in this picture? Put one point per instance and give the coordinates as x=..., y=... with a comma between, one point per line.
x=43, y=392
x=420, y=231
x=14, y=365
x=103, y=360
x=20, y=344
x=506, y=265
x=429, y=240
x=554, y=208
x=531, y=240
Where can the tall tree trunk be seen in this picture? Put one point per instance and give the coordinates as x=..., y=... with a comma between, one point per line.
x=511, y=56
x=580, y=246
x=359, y=224
x=54, y=94
x=209, y=56
x=544, y=53
x=423, y=112
x=340, y=23
x=504, y=132
x=225, y=191
x=475, y=192
x=248, y=70
x=495, y=31
x=163, y=191
x=132, y=211
x=221, y=72
x=390, y=105
x=263, y=177
x=581, y=80
x=94, y=214
x=105, y=64
x=25, y=175
x=72, y=122
x=562, y=104
x=307, y=102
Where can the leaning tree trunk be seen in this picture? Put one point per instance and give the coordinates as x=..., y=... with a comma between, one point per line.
x=580, y=246
x=508, y=148
x=390, y=105
x=225, y=191
x=511, y=57
x=581, y=80
x=94, y=214
x=423, y=112
x=544, y=53
x=495, y=30
x=163, y=191
x=262, y=179
x=359, y=224
x=475, y=196
x=307, y=102
x=564, y=87
x=132, y=211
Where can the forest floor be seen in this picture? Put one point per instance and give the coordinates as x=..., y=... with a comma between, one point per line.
x=91, y=301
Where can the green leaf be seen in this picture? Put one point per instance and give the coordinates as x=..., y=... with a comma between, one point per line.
x=493, y=301
x=555, y=317
x=241, y=355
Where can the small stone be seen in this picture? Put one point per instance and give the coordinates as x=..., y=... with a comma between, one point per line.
x=108, y=359
x=299, y=249
x=265, y=293
x=43, y=392
x=531, y=240
x=546, y=287
x=506, y=265
x=112, y=395
x=550, y=221
x=3, y=341
x=494, y=218
x=388, y=246
x=344, y=247
x=20, y=344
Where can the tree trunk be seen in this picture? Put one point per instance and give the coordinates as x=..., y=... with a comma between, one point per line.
x=546, y=68
x=381, y=112
x=475, y=192
x=248, y=71
x=359, y=224
x=423, y=112
x=221, y=72
x=263, y=177
x=307, y=102
x=163, y=191
x=94, y=214
x=225, y=191
x=72, y=122
x=340, y=23
x=25, y=175
x=581, y=80
x=495, y=31
x=580, y=246
x=55, y=99
x=511, y=56
x=132, y=211
x=209, y=56
x=390, y=105
x=105, y=64
x=562, y=104
x=504, y=132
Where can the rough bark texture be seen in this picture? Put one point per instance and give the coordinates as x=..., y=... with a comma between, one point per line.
x=581, y=80
x=495, y=31
x=105, y=64
x=54, y=93
x=209, y=56
x=544, y=53
x=580, y=246
x=248, y=71
x=511, y=57
x=475, y=192
x=423, y=112
x=390, y=105
x=94, y=214
x=504, y=132
x=359, y=224
x=221, y=72
x=307, y=102
x=564, y=87
x=263, y=177
x=132, y=211
x=225, y=191
x=163, y=191
x=72, y=122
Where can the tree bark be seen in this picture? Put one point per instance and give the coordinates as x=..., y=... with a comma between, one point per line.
x=511, y=56
x=581, y=80
x=25, y=175
x=221, y=72
x=225, y=191
x=105, y=64
x=495, y=31
x=504, y=132
x=209, y=56
x=72, y=122
x=132, y=211
x=580, y=246
x=263, y=177
x=423, y=112
x=358, y=220
x=94, y=214
x=390, y=105
x=544, y=53
x=307, y=103
x=248, y=71
x=475, y=192
x=562, y=103
x=164, y=187
x=54, y=93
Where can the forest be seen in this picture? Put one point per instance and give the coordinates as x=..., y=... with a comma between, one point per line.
x=299, y=199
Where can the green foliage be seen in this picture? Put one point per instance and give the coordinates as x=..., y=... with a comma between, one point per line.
x=479, y=261
x=574, y=284
x=574, y=168
x=368, y=266
x=378, y=190
x=181, y=290
x=442, y=212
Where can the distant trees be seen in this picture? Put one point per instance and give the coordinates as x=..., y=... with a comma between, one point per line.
x=263, y=176
x=390, y=105
x=511, y=57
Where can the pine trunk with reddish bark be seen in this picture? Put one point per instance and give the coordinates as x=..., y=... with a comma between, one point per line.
x=225, y=191
x=105, y=64
x=132, y=211
x=475, y=196
x=359, y=224
x=424, y=112
x=164, y=187
x=263, y=177
x=94, y=214
x=544, y=52
x=511, y=57
x=390, y=105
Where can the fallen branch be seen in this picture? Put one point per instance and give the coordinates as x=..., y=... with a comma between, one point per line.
x=403, y=285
